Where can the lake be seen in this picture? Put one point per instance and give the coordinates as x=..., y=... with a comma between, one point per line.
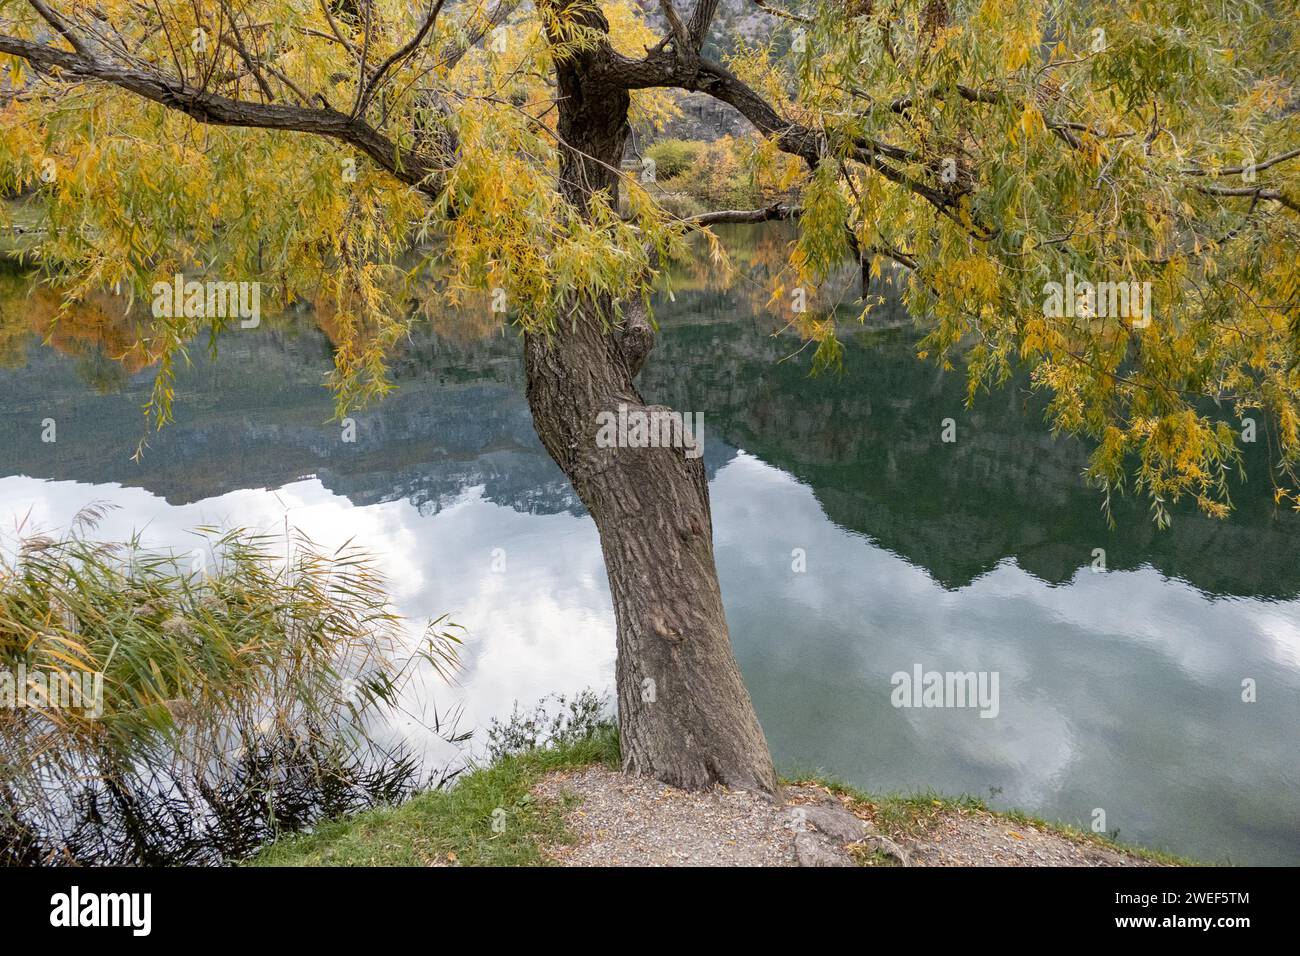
x=853, y=543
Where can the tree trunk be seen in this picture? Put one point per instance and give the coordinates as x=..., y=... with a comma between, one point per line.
x=684, y=714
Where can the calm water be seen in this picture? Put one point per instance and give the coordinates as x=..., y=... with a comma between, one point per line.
x=1118, y=690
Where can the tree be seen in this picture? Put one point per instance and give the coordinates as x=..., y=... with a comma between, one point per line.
x=1104, y=192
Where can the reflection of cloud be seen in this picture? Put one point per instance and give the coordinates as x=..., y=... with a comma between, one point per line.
x=1201, y=636
x=1119, y=690
x=543, y=626
x=1276, y=623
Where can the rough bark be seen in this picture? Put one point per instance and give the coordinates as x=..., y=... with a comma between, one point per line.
x=684, y=714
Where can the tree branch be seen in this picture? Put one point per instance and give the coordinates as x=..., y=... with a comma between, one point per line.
x=59, y=24
x=376, y=80
x=1255, y=192
x=776, y=211
x=217, y=110
x=1238, y=170
x=499, y=13
x=784, y=14
x=701, y=19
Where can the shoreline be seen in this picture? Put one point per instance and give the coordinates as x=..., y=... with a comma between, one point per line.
x=571, y=806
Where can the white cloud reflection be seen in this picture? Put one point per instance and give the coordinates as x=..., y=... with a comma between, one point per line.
x=1082, y=665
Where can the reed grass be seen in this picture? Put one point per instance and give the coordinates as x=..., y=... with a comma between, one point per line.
x=246, y=674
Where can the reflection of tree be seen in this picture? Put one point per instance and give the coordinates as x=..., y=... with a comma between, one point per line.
x=112, y=338
x=102, y=373
x=468, y=316
x=760, y=260
x=757, y=255
x=866, y=442
x=471, y=321
x=14, y=333
x=105, y=328
x=101, y=330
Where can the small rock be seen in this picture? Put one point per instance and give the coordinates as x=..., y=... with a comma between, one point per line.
x=836, y=822
x=815, y=849
x=888, y=847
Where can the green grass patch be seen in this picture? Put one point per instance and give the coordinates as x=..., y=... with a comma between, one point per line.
x=455, y=825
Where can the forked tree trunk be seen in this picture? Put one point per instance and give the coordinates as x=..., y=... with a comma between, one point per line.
x=684, y=714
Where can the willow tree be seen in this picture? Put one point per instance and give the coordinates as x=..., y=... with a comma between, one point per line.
x=983, y=152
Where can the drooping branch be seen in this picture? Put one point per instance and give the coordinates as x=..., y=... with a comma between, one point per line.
x=784, y=14
x=334, y=28
x=1255, y=192
x=691, y=71
x=59, y=24
x=812, y=145
x=1069, y=133
x=1065, y=131
x=1238, y=170
x=215, y=109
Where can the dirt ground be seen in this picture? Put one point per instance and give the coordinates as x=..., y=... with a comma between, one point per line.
x=629, y=821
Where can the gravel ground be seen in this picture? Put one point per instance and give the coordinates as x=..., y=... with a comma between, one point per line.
x=635, y=821
x=980, y=839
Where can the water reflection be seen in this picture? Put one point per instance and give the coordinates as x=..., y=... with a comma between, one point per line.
x=1118, y=690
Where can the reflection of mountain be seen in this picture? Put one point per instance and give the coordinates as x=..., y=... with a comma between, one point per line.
x=258, y=416
x=867, y=443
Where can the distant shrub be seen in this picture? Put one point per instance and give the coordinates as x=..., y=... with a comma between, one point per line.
x=727, y=173
x=672, y=157
x=681, y=204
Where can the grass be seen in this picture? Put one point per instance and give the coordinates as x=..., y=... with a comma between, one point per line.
x=456, y=825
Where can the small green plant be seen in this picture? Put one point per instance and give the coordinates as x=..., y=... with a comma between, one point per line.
x=554, y=721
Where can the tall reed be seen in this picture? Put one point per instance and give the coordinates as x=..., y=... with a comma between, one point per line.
x=242, y=685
